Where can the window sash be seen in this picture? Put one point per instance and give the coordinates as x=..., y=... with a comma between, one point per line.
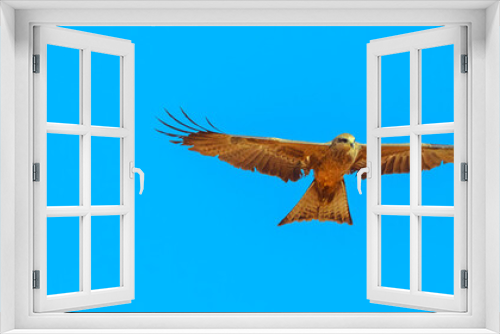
x=413, y=43
x=86, y=297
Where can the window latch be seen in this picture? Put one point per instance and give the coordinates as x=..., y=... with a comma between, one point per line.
x=366, y=170
x=132, y=171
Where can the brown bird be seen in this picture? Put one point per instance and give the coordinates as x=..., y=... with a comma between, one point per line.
x=290, y=160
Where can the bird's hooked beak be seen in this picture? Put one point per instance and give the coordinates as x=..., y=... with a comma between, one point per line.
x=352, y=141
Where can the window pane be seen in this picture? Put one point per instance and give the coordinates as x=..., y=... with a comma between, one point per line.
x=395, y=89
x=437, y=254
x=437, y=84
x=395, y=246
x=438, y=182
x=63, y=170
x=105, y=252
x=395, y=184
x=105, y=171
x=105, y=90
x=63, y=255
x=63, y=85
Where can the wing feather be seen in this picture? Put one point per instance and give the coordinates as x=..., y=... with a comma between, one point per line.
x=287, y=159
x=396, y=157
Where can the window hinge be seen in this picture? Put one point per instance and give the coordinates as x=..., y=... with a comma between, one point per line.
x=36, y=279
x=465, y=64
x=36, y=63
x=36, y=172
x=465, y=279
x=464, y=171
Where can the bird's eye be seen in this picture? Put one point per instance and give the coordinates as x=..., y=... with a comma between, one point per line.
x=343, y=140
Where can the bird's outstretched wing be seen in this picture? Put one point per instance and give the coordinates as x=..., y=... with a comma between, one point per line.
x=287, y=159
x=396, y=157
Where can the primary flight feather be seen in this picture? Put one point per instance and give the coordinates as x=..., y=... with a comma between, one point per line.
x=326, y=197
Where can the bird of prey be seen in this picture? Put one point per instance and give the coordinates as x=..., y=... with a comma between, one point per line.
x=290, y=160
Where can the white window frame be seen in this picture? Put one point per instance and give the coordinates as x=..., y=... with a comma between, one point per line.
x=16, y=128
x=85, y=43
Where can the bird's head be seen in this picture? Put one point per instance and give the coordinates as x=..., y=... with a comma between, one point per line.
x=344, y=141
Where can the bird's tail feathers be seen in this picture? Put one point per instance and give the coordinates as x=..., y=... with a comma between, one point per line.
x=323, y=204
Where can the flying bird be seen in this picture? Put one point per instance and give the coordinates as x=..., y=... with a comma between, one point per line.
x=290, y=160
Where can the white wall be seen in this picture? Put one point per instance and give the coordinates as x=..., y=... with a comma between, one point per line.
x=7, y=164
x=492, y=161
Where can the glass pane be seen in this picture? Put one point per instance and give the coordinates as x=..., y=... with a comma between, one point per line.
x=438, y=182
x=63, y=85
x=63, y=255
x=105, y=252
x=63, y=170
x=395, y=245
x=105, y=90
x=437, y=254
x=395, y=181
x=437, y=84
x=395, y=89
x=105, y=171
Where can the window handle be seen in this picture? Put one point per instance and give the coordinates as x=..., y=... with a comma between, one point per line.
x=368, y=171
x=134, y=170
